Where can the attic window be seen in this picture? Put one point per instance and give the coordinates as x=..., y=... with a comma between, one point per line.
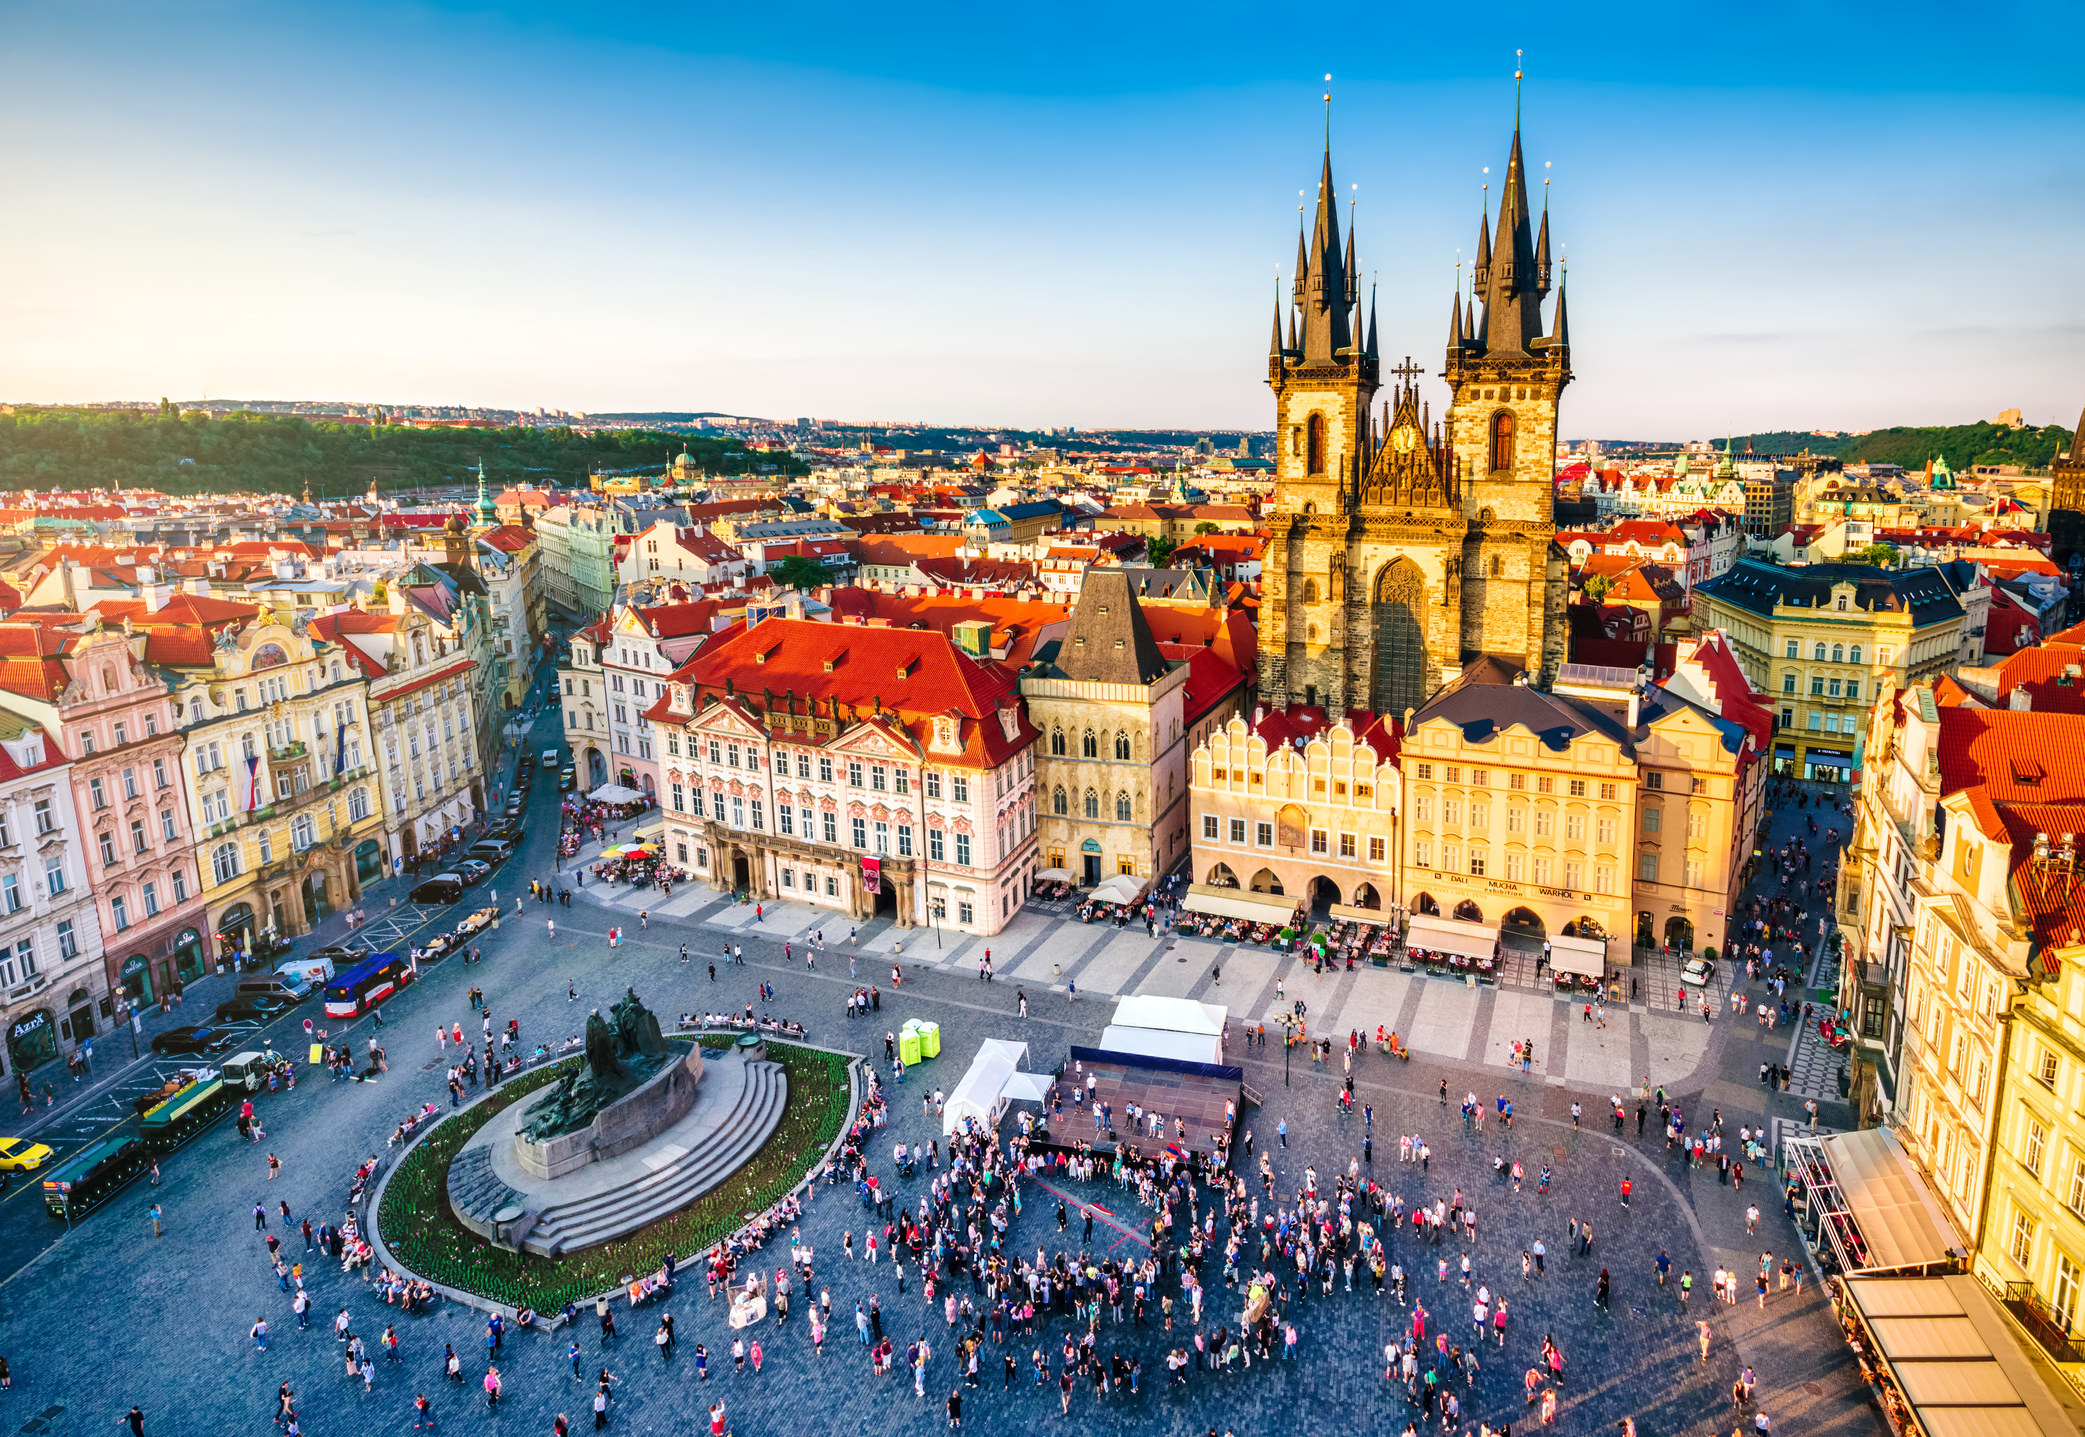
x=1118, y=643
x=2027, y=771
x=835, y=661
x=905, y=669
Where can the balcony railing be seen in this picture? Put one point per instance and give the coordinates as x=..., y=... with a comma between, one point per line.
x=2043, y=1325
x=290, y=750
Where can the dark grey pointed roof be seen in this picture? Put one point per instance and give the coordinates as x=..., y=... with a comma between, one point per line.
x=1107, y=640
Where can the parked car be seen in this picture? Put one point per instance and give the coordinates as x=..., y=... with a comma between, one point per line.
x=490, y=850
x=442, y=888
x=567, y=781
x=1698, y=972
x=473, y=870
x=193, y=1038
x=507, y=833
x=253, y=1007
x=19, y=1155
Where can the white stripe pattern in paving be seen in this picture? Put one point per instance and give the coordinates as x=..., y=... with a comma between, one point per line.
x=1446, y=1012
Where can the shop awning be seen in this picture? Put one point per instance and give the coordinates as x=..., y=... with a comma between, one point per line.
x=1239, y=903
x=1122, y=888
x=614, y=793
x=1359, y=915
x=1578, y=955
x=1451, y=935
x=1887, y=1200
x=1949, y=1355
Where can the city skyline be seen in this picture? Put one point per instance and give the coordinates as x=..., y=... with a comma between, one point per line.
x=636, y=212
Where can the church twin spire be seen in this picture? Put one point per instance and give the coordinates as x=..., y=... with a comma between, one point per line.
x=1325, y=321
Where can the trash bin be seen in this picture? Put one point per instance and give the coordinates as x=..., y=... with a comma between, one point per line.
x=908, y=1046
x=930, y=1039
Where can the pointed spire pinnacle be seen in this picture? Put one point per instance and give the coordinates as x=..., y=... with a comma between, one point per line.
x=1455, y=314
x=1371, y=350
x=1327, y=291
x=1542, y=247
x=1560, y=337
x=1295, y=341
x=1274, y=341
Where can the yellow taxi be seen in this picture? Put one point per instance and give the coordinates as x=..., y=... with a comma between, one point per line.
x=19, y=1155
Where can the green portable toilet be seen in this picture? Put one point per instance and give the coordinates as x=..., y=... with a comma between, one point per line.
x=930, y=1039
x=908, y=1046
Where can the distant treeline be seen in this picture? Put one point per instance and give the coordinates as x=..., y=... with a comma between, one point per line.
x=1962, y=445
x=277, y=453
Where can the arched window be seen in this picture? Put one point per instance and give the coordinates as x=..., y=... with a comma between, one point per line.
x=1122, y=808
x=1089, y=746
x=1838, y=653
x=1122, y=745
x=1818, y=654
x=1498, y=567
x=1501, y=441
x=1059, y=805
x=1853, y=655
x=1314, y=445
x=1310, y=591
x=224, y=862
x=1057, y=742
x=1092, y=804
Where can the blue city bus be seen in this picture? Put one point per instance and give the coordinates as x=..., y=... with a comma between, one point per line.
x=360, y=988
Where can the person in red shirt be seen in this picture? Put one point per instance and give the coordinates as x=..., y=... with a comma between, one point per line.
x=1625, y=1192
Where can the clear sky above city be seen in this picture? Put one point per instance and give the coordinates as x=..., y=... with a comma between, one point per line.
x=1814, y=215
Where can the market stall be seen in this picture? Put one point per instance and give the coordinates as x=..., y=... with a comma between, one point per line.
x=1452, y=946
x=1579, y=961
x=1862, y=1206
x=991, y=1082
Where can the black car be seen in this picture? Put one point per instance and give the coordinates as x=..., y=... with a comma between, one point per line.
x=193, y=1039
x=252, y=1009
x=442, y=888
x=506, y=833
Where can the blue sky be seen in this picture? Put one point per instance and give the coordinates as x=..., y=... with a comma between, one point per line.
x=1816, y=215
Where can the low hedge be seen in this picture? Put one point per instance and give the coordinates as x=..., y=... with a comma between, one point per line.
x=427, y=1240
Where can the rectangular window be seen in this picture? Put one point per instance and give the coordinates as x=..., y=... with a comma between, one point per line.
x=54, y=876
x=965, y=913
x=1541, y=871
x=1574, y=875
x=1422, y=853
x=785, y=820
x=2066, y=1286
x=1577, y=788
x=882, y=836
x=958, y=788
x=1574, y=828
x=1603, y=878
x=1480, y=778
x=108, y=848
x=1647, y=867
x=2021, y=1245
x=1652, y=820
x=1545, y=784
x=904, y=840
x=130, y=781
x=1518, y=782
x=963, y=849
x=1478, y=858
x=902, y=780
x=933, y=784
x=1604, y=830
x=68, y=945
x=1451, y=857
x=1853, y=688
x=935, y=851
x=854, y=774
x=879, y=777
x=159, y=773
x=759, y=818
x=679, y=796
x=789, y=878
x=180, y=885
x=1209, y=826
x=1425, y=770
x=25, y=958
x=1695, y=873
x=2036, y=1143
x=1346, y=845
x=1375, y=848
x=1318, y=843
x=1516, y=868
x=120, y=911
x=1238, y=830
x=151, y=893
x=738, y=813
x=830, y=827
x=1263, y=835
x=861, y=833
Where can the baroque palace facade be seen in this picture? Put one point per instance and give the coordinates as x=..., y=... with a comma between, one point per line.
x=1400, y=548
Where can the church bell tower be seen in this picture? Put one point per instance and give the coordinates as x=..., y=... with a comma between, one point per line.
x=1506, y=373
x=1323, y=373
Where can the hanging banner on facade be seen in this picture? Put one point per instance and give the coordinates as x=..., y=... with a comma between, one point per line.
x=872, y=875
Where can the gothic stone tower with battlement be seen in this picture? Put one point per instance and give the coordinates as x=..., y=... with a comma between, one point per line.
x=1358, y=597
x=1506, y=377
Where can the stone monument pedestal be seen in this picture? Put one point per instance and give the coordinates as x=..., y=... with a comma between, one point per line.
x=628, y=1122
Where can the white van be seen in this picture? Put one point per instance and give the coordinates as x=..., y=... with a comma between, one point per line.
x=549, y=758
x=301, y=976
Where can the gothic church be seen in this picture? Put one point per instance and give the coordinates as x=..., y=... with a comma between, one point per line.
x=1402, y=548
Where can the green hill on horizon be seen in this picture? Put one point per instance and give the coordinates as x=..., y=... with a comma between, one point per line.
x=274, y=453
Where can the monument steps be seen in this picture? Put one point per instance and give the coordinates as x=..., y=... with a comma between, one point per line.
x=755, y=1112
x=475, y=1190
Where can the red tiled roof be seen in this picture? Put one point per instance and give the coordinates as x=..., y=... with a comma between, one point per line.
x=861, y=667
x=2019, y=756
x=1283, y=726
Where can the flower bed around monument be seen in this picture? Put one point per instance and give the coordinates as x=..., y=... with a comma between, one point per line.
x=426, y=1239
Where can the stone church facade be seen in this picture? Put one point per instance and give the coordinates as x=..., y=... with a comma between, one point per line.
x=1402, y=548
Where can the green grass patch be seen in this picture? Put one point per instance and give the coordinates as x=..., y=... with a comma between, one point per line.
x=426, y=1238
